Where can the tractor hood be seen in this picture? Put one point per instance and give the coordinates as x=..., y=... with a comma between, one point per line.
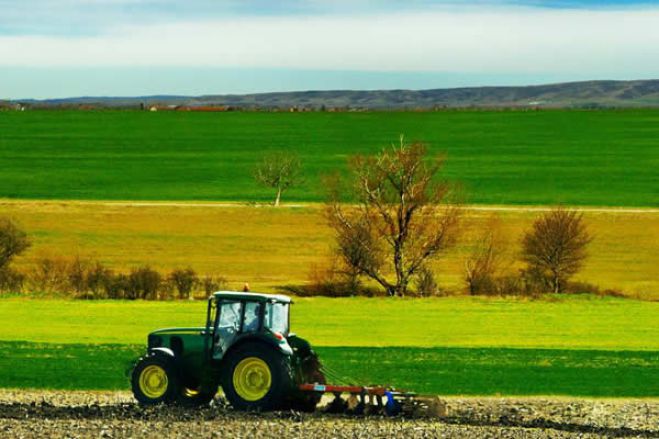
x=179, y=331
x=169, y=337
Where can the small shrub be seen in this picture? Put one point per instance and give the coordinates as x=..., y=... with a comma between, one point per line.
x=488, y=260
x=481, y=283
x=327, y=279
x=11, y=281
x=426, y=285
x=143, y=283
x=116, y=286
x=334, y=278
x=99, y=278
x=77, y=274
x=167, y=289
x=50, y=274
x=13, y=241
x=184, y=281
x=509, y=285
x=535, y=281
x=211, y=284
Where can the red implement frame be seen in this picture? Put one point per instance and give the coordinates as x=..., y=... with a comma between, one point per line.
x=360, y=390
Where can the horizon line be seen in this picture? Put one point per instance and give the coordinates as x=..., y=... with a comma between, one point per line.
x=171, y=96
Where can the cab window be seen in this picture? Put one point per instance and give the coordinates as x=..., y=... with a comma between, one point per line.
x=276, y=317
x=228, y=324
x=252, y=313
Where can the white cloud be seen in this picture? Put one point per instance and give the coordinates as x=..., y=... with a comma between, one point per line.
x=470, y=40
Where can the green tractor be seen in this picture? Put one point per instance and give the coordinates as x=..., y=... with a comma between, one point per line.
x=245, y=348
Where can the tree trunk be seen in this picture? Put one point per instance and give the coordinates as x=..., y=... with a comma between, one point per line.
x=401, y=290
x=401, y=280
x=278, y=197
x=557, y=288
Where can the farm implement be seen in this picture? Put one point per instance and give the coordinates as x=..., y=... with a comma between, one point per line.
x=364, y=399
x=246, y=348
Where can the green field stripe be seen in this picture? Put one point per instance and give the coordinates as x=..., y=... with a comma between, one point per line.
x=66, y=366
x=493, y=371
x=501, y=157
x=574, y=322
x=443, y=371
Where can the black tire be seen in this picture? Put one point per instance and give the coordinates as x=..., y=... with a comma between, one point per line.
x=279, y=391
x=310, y=373
x=147, y=380
x=196, y=397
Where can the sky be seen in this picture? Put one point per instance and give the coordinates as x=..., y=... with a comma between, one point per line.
x=64, y=48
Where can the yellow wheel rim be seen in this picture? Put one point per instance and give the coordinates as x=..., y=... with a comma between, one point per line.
x=252, y=379
x=153, y=381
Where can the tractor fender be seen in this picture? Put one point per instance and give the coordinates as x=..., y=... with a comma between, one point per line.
x=279, y=345
x=163, y=351
x=300, y=346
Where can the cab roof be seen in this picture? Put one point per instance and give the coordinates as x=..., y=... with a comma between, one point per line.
x=252, y=296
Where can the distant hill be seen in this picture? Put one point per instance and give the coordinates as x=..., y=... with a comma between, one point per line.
x=588, y=94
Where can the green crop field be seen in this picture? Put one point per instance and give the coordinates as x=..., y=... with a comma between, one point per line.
x=606, y=158
x=570, y=346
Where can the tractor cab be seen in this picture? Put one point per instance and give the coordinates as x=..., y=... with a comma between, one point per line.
x=232, y=317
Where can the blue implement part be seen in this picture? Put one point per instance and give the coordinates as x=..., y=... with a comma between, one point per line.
x=392, y=407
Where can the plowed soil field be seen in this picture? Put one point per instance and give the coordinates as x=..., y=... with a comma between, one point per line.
x=32, y=414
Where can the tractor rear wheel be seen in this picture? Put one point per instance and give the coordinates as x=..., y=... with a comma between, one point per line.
x=256, y=377
x=154, y=380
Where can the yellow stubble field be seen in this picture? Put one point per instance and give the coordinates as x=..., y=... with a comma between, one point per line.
x=270, y=247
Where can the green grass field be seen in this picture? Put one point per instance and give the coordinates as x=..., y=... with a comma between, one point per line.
x=570, y=346
x=604, y=158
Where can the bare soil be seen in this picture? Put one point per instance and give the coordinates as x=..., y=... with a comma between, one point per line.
x=32, y=414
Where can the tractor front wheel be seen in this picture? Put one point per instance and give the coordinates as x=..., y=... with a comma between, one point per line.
x=257, y=378
x=154, y=380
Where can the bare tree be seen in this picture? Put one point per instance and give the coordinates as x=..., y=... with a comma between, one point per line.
x=556, y=246
x=13, y=241
x=402, y=218
x=280, y=171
